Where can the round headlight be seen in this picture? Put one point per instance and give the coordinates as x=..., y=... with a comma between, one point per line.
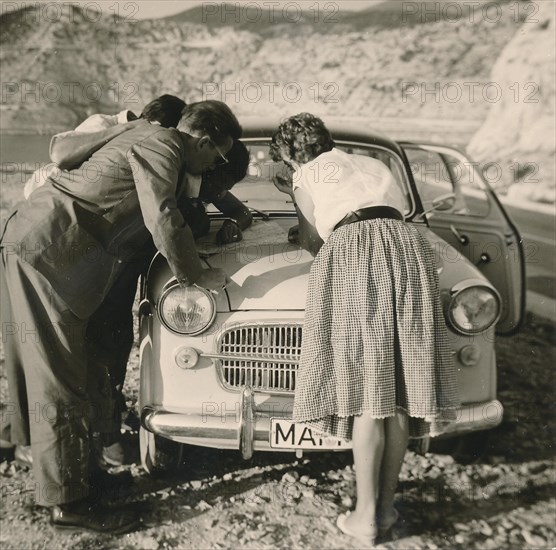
x=187, y=310
x=474, y=309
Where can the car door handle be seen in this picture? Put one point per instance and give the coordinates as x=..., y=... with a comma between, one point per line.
x=463, y=239
x=510, y=238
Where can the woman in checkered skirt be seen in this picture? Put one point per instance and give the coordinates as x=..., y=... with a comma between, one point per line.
x=375, y=365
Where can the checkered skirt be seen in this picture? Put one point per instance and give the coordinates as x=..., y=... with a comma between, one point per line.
x=374, y=336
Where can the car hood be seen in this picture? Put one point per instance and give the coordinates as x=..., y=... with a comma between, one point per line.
x=265, y=271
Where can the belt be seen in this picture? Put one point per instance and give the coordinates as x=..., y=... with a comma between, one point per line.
x=370, y=213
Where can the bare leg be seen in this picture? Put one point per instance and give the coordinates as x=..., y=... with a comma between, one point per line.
x=396, y=437
x=368, y=448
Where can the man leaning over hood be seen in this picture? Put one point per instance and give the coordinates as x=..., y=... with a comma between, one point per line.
x=62, y=252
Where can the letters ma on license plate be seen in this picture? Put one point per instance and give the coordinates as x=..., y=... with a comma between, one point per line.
x=288, y=435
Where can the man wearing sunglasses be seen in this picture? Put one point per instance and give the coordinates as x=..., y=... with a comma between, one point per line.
x=110, y=329
x=222, y=160
x=110, y=333
x=166, y=111
x=62, y=253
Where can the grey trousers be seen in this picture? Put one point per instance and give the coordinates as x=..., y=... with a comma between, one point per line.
x=51, y=343
x=14, y=418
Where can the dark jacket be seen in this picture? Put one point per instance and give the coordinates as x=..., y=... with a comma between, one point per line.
x=83, y=226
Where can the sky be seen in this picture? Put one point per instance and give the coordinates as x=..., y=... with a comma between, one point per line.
x=145, y=9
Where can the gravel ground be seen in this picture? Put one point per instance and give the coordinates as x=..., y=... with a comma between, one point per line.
x=499, y=495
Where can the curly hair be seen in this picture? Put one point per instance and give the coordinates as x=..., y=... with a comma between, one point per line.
x=301, y=138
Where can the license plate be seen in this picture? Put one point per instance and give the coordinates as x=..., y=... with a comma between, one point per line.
x=289, y=435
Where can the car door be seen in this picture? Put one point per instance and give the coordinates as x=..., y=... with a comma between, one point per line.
x=474, y=223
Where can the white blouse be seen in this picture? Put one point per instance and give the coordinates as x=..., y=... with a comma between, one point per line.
x=339, y=183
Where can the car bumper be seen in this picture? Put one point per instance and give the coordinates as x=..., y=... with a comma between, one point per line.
x=248, y=429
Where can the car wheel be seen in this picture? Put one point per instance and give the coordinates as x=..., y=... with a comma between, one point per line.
x=158, y=454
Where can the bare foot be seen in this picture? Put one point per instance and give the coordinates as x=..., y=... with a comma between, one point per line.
x=386, y=520
x=359, y=523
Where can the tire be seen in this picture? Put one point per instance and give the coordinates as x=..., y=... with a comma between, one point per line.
x=158, y=454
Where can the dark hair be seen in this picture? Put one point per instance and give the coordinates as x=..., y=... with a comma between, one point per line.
x=225, y=176
x=301, y=138
x=210, y=118
x=165, y=109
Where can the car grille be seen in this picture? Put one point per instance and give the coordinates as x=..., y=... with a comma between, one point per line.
x=264, y=357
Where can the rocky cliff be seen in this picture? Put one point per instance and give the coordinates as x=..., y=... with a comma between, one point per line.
x=56, y=70
x=381, y=62
x=520, y=129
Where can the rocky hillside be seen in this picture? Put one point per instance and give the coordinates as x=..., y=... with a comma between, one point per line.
x=381, y=62
x=63, y=67
x=520, y=129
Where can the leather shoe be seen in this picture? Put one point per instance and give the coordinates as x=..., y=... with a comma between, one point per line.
x=84, y=515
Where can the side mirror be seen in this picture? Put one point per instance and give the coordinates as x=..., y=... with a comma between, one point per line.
x=442, y=202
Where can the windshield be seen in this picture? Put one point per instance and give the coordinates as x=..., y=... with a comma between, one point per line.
x=257, y=191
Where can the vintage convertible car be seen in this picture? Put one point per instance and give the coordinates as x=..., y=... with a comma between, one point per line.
x=220, y=370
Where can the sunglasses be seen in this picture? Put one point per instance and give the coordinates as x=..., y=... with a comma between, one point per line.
x=223, y=160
